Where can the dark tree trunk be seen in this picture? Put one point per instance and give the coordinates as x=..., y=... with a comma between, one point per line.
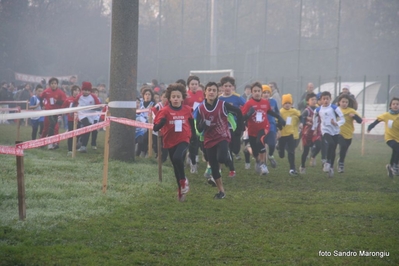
x=123, y=76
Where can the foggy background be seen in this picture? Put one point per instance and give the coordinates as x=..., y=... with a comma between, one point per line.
x=291, y=42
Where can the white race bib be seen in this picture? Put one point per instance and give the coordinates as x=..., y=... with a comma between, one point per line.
x=259, y=117
x=208, y=122
x=390, y=123
x=52, y=101
x=288, y=121
x=178, y=125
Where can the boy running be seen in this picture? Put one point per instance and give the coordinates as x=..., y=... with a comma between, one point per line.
x=328, y=114
x=212, y=122
x=255, y=112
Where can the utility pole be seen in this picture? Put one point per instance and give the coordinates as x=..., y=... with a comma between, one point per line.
x=123, y=75
x=213, y=35
x=337, y=50
x=299, y=53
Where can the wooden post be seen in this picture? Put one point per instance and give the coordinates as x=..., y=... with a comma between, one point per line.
x=74, y=140
x=106, y=156
x=159, y=156
x=363, y=137
x=150, y=134
x=21, y=186
x=18, y=129
x=27, y=109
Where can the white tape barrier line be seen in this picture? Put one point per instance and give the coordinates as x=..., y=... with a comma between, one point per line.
x=122, y=104
x=48, y=112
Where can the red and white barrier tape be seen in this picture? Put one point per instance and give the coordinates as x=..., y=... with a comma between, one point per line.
x=70, y=134
x=130, y=122
x=11, y=150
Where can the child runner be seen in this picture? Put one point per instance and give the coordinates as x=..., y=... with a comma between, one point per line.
x=194, y=98
x=347, y=129
x=229, y=96
x=391, y=119
x=289, y=114
x=70, y=102
x=317, y=137
x=34, y=104
x=309, y=139
x=255, y=112
x=86, y=98
x=328, y=114
x=212, y=122
x=155, y=110
x=142, y=133
x=176, y=121
x=271, y=137
x=52, y=98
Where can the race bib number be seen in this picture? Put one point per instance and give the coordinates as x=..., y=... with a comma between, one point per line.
x=178, y=125
x=390, y=123
x=258, y=117
x=288, y=121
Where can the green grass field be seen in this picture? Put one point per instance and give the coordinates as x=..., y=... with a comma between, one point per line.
x=264, y=220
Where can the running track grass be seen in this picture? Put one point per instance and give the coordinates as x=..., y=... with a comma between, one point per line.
x=264, y=220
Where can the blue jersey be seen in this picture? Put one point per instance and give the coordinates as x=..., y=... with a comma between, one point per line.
x=272, y=119
x=234, y=99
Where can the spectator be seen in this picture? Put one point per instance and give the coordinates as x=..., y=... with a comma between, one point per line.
x=102, y=92
x=247, y=92
x=302, y=101
x=4, y=96
x=34, y=104
x=275, y=93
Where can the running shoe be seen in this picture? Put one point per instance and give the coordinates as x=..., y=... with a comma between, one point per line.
x=293, y=172
x=302, y=170
x=389, y=170
x=193, y=169
x=220, y=195
x=326, y=167
x=208, y=172
x=272, y=161
x=263, y=169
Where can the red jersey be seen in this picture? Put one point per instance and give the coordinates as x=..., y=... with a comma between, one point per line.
x=53, y=99
x=218, y=126
x=68, y=103
x=258, y=121
x=177, y=128
x=194, y=99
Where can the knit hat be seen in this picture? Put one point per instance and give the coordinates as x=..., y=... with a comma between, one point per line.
x=345, y=86
x=86, y=86
x=287, y=98
x=266, y=88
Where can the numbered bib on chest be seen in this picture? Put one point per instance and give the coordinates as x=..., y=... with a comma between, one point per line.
x=178, y=125
x=288, y=121
x=258, y=117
